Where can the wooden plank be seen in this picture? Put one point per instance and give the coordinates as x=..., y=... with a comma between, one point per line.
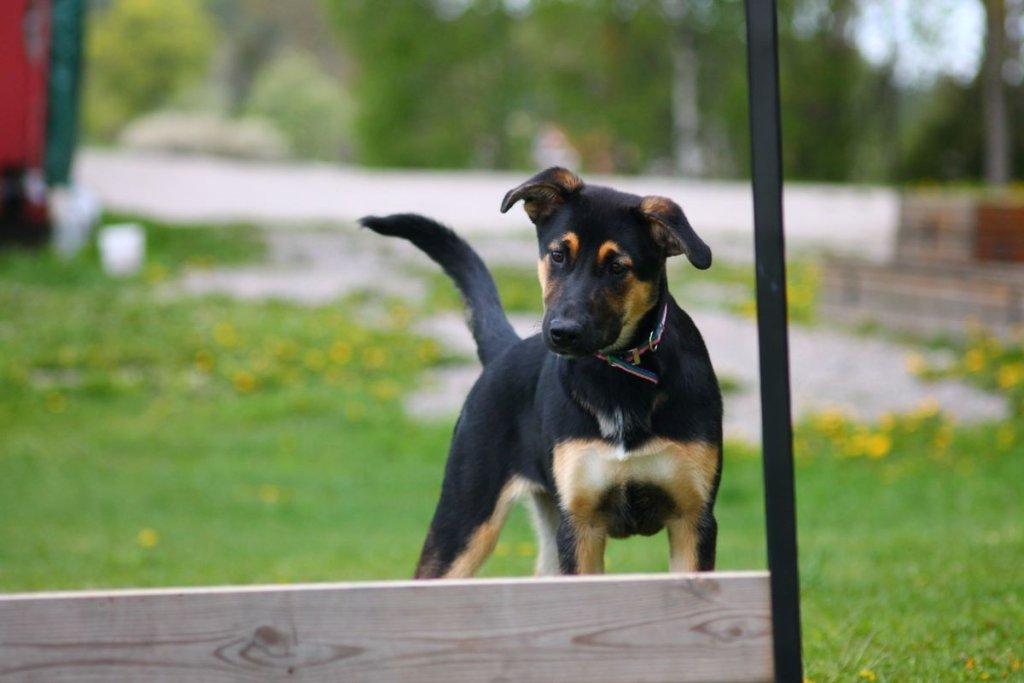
x=651, y=628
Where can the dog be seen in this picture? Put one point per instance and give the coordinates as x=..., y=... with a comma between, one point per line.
x=609, y=421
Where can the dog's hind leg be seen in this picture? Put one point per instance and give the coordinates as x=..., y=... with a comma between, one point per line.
x=545, y=516
x=466, y=526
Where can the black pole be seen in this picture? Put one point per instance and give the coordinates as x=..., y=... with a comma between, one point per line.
x=769, y=259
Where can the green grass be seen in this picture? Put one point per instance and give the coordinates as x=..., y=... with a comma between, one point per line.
x=152, y=441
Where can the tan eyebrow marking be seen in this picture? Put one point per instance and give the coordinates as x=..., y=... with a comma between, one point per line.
x=611, y=250
x=608, y=250
x=571, y=240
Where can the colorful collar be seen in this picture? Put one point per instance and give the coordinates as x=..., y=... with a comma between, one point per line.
x=629, y=361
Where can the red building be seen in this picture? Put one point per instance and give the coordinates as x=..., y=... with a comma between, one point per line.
x=40, y=62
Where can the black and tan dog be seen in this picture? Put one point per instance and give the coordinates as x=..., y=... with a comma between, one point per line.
x=609, y=422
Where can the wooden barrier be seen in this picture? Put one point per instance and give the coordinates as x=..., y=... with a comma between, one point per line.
x=698, y=627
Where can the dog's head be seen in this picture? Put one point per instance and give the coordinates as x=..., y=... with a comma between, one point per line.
x=602, y=258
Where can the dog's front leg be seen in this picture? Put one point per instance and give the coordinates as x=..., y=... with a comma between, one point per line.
x=692, y=541
x=581, y=546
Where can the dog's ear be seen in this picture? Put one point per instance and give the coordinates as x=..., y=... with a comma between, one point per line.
x=673, y=232
x=544, y=193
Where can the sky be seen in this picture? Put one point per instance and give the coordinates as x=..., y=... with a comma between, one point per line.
x=951, y=43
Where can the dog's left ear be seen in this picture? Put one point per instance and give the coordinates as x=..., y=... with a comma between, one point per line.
x=544, y=193
x=673, y=232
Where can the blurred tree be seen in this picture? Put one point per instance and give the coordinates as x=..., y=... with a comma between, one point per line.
x=602, y=70
x=305, y=105
x=635, y=84
x=256, y=31
x=434, y=82
x=998, y=156
x=824, y=81
x=639, y=85
x=973, y=131
x=141, y=53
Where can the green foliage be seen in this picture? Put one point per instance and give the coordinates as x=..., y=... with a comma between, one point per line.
x=945, y=140
x=141, y=54
x=603, y=73
x=305, y=105
x=432, y=90
x=470, y=84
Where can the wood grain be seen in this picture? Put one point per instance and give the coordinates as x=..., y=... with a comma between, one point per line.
x=651, y=628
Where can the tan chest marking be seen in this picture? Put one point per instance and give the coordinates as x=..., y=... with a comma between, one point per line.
x=585, y=470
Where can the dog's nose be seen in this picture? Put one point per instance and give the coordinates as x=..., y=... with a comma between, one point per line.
x=565, y=333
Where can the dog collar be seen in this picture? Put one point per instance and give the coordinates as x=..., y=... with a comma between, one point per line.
x=629, y=361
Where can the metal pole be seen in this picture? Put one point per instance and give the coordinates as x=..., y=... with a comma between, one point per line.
x=769, y=258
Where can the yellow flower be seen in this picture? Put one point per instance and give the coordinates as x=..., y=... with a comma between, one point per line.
x=1005, y=437
x=155, y=273
x=428, y=350
x=400, y=315
x=878, y=445
x=283, y=349
x=269, y=494
x=375, y=358
x=857, y=445
x=260, y=363
x=915, y=363
x=384, y=391
x=56, y=403
x=929, y=407
x=974, y=360
x=943, y=437
x=1009, y=375
x=225, y=335
x=341, y=352
x=147, y=538
x=244, y=381
x=204, y=360
x=830, y=421
x=525, y=549
x=868, y=674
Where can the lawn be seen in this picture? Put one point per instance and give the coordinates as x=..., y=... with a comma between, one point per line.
x=148, y=439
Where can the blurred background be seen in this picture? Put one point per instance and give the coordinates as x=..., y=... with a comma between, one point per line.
x=873, y=90
x=209, y=375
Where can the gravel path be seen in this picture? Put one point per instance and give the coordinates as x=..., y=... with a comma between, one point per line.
x=863, y=376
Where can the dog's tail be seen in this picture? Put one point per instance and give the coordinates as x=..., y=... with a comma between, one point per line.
x=487, y=320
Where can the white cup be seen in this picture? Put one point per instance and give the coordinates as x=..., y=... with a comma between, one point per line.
x=122, y=249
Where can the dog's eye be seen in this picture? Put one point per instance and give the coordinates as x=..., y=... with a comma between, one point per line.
x=558, y=256
x=617, y=268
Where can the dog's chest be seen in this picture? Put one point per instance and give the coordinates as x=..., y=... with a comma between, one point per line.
x=587, y=472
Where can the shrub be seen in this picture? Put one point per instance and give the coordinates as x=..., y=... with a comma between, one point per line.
x=307, y=106
x=205, y=134
x=141, y=54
